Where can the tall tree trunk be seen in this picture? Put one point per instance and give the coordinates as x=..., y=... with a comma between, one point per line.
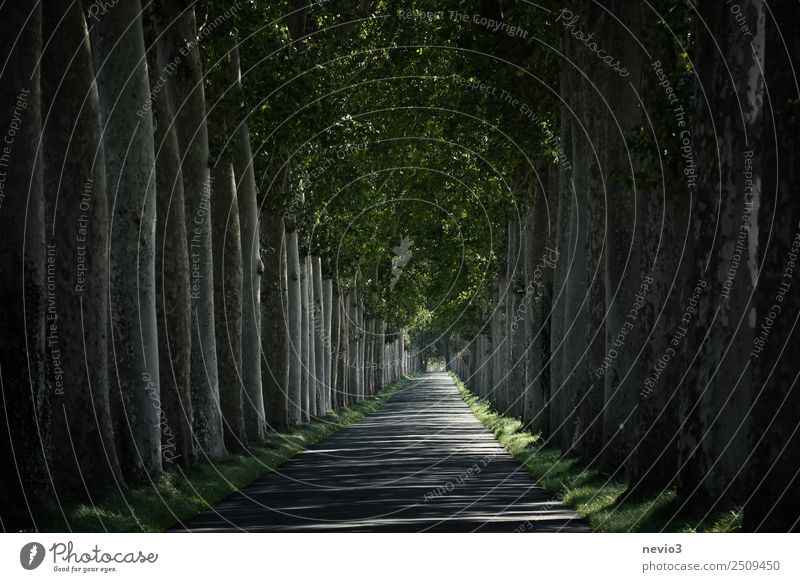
x=84, y=455
x=294, y=317
x=306, y=351
x=653, y=461
x=342, y=375
x=187, y=96
x=275, y=322
x=227, y=251
x=541, y=258
x=352, y=388
x=580, y=429
x=627, y=277
x=122, y=82
x=559, y=324
x=717, y=394
x=380, y=361
x=320, y=339
x=360, y=351
x=25, y=401
x=172, y=268
x=252, y=269
x=496, y=380
x=328, y=331
x=773, y=504
x=517, y=350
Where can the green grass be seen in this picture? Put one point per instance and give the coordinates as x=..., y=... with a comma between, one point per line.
x=176, y=495
x=591, y=492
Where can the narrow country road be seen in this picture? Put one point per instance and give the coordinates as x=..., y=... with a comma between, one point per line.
x=421, y=463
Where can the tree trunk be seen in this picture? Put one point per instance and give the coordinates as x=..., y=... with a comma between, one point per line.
x=352, y=386
x=294, y=317
x=128, y=144
x=327, y=310
x=172, y=269
x=717, y=394
x=541, y=259
x=342, y=375
x=773, y=505
x=564, y=245
x=187, y=96
x=320, y=338
x=627, y=278
x=517, y=350
x=274, y=323
x=227, y=251
x=252, y=269
x=306, y=352
x=498, y=342
x=666, y=213
x=380, y=362
x=580, y=429
x=77, y=223
x=25, y=402
x=335, y=346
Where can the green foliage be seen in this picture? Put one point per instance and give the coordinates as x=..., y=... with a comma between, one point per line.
x=377, y=120
x=365, y=109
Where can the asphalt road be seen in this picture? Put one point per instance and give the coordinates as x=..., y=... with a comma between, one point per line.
x=421, y=463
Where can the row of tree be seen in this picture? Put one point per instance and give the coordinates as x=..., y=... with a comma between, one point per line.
x=156, y=311
x=646, y=316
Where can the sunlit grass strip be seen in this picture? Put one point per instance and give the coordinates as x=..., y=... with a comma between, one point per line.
x=589, y=491
x=179, y=495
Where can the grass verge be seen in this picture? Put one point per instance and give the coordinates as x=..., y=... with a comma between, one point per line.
x=177, y=495
x=590, y=492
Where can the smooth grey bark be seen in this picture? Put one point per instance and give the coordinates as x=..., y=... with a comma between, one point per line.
x=187, y=96
x=252, y=268
x=328, y=344
x=274, y=322
x=311, y=301
x=373, y=358
x=25, y=403
x=305, y=348
x=401, y=369
x=121, y=69
x=226, y=242
x=716, y=397
x=336, y=347
x=228, y=300
x=360, y=367
x=320, y=336
x=294, y=319
x=76, y=211
x=367, y=359
x=173, y=303
x=353, y=376
x=380, y=356
x=343, y=373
